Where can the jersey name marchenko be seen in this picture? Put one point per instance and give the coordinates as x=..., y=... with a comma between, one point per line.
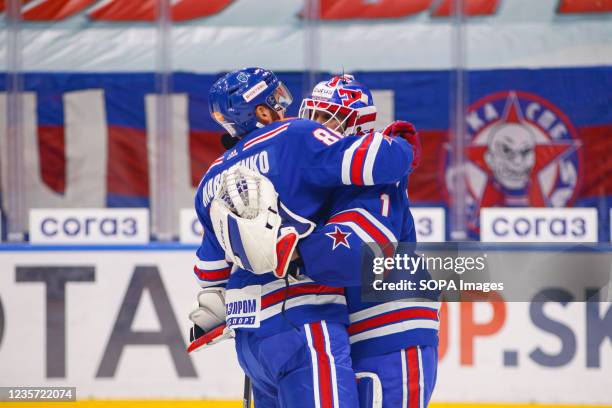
x=258, y=162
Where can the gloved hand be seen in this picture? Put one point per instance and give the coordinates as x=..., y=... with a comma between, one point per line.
x=264, y=233
x=285, y=250
x=408, y=132
x=208, y=317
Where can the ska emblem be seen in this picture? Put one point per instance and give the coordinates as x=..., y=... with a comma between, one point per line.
x=523, y=152
x=339, y=237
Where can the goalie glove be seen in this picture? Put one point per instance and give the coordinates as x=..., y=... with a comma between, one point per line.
x=208, y=317
x=257, y=232
x=408, y=132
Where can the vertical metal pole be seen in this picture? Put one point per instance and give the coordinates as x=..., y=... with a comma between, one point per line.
x=15, y=189
x=312, y=45
x=164, y=206
x=246, y=396
x=458, y=210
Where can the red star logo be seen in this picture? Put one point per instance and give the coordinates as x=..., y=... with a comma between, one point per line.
x=339, y=237
x=545, y=155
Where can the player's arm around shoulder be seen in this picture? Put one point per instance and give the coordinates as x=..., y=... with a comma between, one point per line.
x=332, y=254
x=328, y=158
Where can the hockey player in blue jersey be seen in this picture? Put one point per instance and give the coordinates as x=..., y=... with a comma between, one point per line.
x=291, y=337
x=394, y=343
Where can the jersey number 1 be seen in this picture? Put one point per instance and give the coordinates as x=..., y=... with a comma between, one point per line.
x=384, y=198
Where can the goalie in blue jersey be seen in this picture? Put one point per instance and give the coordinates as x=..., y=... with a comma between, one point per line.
x=393, y=343
x=278, y=180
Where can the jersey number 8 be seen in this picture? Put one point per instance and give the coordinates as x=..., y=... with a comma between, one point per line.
x=325, y=136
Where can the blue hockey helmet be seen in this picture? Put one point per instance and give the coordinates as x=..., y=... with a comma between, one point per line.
x=341, y=104
x=234, y=97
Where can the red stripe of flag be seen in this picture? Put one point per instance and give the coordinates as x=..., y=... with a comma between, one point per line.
x=205, y=148
x=54, y=9
x=358, y=160
x=413, y=377
x=293, y=291
x=127, y=168
x=324, y=366
x=393, y=317
x=51, y=149
x=212, y=275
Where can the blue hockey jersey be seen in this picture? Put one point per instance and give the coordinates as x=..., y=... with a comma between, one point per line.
x=306, y=163
x=332, y=256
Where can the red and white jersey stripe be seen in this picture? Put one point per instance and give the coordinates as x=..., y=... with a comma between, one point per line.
x=413, y=380
x=265, y=137
x=303, y=293
x=372, y=321
x=215, y=163
x=368, y=229
x=212, y=273
x=358, y=160
x=325, y=384
x=391, y=318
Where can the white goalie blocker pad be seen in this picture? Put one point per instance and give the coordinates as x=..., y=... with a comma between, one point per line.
x=370, y=390
x=209, y=310
x=209, y=315
x=246, y=219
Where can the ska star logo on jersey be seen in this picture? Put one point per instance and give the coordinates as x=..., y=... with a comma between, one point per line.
x=523, y=152
x=339, y=237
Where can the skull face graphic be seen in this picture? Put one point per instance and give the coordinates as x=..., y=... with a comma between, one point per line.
x=511, y=154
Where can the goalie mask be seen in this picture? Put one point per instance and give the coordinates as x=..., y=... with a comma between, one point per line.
x=341, y=104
